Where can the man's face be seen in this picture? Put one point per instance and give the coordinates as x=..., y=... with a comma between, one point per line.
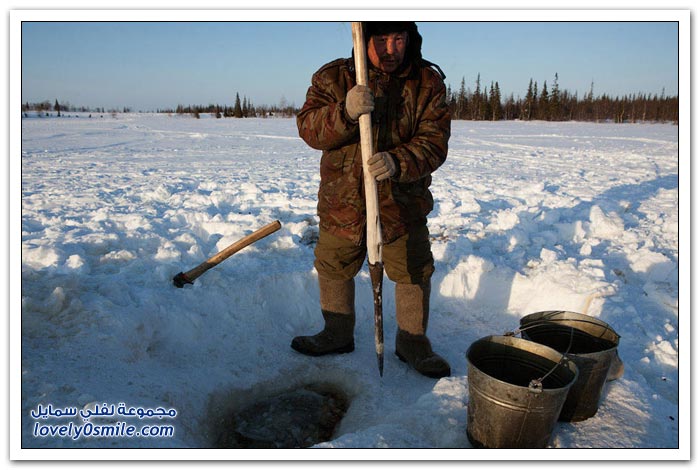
x=386, y=51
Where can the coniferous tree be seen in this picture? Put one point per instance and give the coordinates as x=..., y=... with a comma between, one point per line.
x=245, y=108
x=510, y=109
x=555, y=101
x=543, y=104
x=485, y=106
x=529, y=100
x=237, y=110
x=535, y=102
x=589, y=108
x=570, y=105
x=476, y=100
x=495, y=102
x=462, y=101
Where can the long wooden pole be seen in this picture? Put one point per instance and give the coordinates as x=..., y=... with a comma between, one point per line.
x=374, y=228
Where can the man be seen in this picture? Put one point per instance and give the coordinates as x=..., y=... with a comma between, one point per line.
x=411, y=123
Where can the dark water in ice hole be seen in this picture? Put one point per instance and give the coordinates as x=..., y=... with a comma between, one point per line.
x=297, y=418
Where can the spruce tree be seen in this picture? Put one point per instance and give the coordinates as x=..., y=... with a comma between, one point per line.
x=462, y=101
x=476, y=101
x=555, y=101
x=535, y=101
x=543, y=105
x=237, y=111
x=529, y=100
x=251, y=109
x=589, y=109
x=496, y=108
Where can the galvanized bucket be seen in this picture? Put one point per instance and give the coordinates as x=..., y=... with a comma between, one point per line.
x=516, y=391
x=589, y=342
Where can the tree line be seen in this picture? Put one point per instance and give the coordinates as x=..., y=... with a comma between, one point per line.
x=65, y=107
x=485, y=103
x=240, y=109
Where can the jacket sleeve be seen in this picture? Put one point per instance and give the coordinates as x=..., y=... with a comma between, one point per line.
x=427, y=149
x=323, y=122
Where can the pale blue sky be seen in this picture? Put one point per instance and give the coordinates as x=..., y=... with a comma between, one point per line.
x=146, y=66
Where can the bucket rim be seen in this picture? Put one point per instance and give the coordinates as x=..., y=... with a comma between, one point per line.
x=567, y=315
x=513, y=341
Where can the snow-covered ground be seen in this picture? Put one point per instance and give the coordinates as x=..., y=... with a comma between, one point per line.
x=528, y=217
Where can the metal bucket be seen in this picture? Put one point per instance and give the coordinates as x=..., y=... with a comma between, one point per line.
x=516, y=391
x=589, y=342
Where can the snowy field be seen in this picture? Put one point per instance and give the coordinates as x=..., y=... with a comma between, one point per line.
x=528, y=217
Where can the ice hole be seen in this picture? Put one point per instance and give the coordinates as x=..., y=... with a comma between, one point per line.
x=296, y=418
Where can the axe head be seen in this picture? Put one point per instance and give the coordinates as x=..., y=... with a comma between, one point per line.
x=180, y=280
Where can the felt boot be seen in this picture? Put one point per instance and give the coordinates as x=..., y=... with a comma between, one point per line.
x=412, y=345
x=338, y=309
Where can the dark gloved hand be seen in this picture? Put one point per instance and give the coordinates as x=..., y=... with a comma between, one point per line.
x=358, y=101
x=382, y=166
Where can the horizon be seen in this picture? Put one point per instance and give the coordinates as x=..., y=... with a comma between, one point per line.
x=149, y=66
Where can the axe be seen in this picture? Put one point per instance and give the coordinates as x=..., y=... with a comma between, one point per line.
x=188, y=278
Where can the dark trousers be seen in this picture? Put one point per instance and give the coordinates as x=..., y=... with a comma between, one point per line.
x=407, y=260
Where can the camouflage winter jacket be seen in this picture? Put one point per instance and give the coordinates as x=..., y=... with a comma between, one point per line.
x=410, y=120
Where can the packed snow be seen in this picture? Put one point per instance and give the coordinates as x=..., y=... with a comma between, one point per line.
x=529, y=216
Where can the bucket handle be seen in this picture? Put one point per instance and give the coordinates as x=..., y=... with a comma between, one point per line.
x=535, y=385
x=544, y=321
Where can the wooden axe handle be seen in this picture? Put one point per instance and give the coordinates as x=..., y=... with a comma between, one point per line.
x=191, y=275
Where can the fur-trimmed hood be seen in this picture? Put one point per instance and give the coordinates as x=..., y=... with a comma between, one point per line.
x=414, y=53
x=415, y=40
